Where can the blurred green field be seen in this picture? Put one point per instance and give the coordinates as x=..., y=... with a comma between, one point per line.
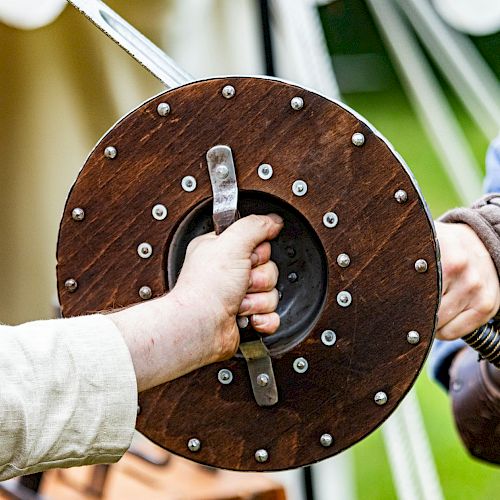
x=462, y=477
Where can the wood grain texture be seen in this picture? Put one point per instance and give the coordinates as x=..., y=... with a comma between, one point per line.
x=382, y=237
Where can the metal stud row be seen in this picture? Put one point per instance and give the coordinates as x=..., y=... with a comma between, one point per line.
x=261, y=455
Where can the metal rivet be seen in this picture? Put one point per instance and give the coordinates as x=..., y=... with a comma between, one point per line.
x=263, y=379
x=421, y=266
x=138, y=410
x=413, y=337
x=243, y=321
x=344, y=298
x=358, y=139
x=221, y=171
x=145, y=250
x=265, y=171
x=326, y=440
x=163, y=109
x=343, y=260
x=290, y=252
x=328, y=337
x=159, y=212
x=78, y=214
x=225, y=376
x=228, y=91
x=110, y=152
x=330, y=219
x=145, y=293
x=401, y=196
x=299, y=188
x=297, y=103
x=194, y=444
x=293, y=277
x=300, y=365
x=380, y=398
x=71, y=285
x=261, y=456
x=188, y=183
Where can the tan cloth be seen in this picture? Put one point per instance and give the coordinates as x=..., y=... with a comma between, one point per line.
x=68, y=395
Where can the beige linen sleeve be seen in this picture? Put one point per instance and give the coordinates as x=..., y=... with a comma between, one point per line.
x=68, y=395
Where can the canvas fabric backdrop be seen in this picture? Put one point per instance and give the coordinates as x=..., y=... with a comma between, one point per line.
x=63, y=85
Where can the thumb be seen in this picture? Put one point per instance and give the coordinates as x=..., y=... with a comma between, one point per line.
x=251, y=231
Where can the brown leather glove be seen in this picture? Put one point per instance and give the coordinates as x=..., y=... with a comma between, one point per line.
x=475, y=394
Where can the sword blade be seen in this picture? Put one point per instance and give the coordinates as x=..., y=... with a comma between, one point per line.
x=132, y=41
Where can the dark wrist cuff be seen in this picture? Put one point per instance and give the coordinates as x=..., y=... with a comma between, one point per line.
x=484, y=218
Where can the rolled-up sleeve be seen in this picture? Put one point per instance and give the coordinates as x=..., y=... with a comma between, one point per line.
x=68, y=395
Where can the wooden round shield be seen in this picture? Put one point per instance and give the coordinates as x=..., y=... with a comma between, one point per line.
x=359, y=272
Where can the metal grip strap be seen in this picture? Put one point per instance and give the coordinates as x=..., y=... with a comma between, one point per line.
x=224, y=186
x=222, y=173
x=486, y=341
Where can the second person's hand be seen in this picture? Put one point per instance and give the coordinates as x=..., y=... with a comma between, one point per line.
x=471, y=292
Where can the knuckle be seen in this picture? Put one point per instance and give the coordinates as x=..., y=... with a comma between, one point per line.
x=444, y=335
x=474, y=284
x=199, y=241
x=268, y=282
x=274, y=273
x=455, y=264
x=276, y=297
x=192, y=245
x=257, y=220
x=264, y=278
x=488, y=305
x=276, y=322
x=264, y=250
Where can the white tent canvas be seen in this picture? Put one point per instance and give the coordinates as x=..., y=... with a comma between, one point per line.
x=475, y=17
x=30, y=14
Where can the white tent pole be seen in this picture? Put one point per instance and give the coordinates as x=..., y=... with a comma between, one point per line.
x=428, y=100
x=300, y=45
x=334, y=478
x=398, y=453
x=419, y=442
x=460, y=62
x=292, y=481
x=409, y=453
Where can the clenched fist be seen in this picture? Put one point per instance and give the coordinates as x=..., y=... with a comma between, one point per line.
x=195, y=324
x=471, y=292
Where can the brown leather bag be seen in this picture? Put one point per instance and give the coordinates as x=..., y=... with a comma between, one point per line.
x=475, y=394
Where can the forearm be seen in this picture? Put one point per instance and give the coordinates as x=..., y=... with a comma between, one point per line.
x=163, y=337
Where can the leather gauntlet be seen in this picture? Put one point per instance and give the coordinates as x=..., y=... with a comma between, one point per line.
x=475, y=394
